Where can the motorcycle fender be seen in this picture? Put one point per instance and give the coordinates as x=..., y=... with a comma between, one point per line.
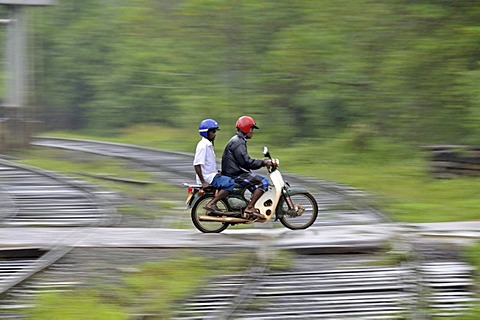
x=292, y=191
x=193, y=200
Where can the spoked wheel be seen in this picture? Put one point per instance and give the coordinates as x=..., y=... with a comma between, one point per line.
x=208, y=226
x=304, y=214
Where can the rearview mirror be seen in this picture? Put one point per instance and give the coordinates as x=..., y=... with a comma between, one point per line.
x=266, y=153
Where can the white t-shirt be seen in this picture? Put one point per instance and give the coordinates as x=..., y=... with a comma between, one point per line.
x=205, y=156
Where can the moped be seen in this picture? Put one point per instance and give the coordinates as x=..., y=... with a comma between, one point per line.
x=295, y=208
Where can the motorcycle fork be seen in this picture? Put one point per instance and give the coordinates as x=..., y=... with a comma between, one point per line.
x=289, y=202
x=288, y=199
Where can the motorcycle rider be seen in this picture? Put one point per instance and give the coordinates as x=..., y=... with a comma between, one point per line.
x=237, y=164
x=205, y=165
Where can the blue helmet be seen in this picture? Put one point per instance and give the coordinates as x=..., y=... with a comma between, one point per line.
x=205, y=125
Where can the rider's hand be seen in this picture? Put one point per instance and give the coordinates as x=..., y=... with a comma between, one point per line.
x=205, y=185
x=268, y=163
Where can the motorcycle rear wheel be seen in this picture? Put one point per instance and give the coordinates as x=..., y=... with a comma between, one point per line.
x=307, y=218
x=198, y=210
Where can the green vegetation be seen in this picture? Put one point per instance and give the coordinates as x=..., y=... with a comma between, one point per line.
x=158, y=284
x=280, y=260
x=398, y=175
x=75, y=305
x=75, y=162
x=473, y=256
x=406, y=70
x=150, y=289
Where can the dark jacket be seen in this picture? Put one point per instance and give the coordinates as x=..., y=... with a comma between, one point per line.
x=235, y=158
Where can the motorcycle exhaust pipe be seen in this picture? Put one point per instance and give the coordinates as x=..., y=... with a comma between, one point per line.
x=224, y=219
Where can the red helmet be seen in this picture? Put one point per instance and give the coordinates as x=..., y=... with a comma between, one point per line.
x=245, y=123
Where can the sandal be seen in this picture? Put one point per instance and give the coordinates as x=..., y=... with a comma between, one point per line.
x=256, y=213
x=213, y=209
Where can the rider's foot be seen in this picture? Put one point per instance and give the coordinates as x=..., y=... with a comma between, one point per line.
x=213, y=209
x=255, y=213
x=211, y=206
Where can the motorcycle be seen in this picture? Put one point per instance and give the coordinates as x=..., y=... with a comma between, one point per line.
x=295, y=208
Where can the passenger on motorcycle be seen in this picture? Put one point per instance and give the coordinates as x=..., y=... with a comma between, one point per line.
x=237, y=164
x=205, y=165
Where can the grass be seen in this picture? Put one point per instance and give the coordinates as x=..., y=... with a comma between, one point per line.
x=158, y=284
x=75, y=305
x=152, y=290
x=396, y=174
x=74, y=162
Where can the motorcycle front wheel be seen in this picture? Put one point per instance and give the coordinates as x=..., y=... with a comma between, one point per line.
x=304, y=215
x=198, y=210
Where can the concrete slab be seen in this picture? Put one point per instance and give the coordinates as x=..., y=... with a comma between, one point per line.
x=459, y=233
x=353, y=238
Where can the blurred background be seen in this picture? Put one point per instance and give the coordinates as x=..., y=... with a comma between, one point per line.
x=402, y=70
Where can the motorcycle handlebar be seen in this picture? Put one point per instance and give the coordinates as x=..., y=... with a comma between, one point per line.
x=274, y=164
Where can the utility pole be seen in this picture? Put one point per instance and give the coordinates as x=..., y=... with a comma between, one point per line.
x=14, y=129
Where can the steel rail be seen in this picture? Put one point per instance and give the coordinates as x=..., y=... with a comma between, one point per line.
x=44, y=198
x=408, y=290
x=338, y=292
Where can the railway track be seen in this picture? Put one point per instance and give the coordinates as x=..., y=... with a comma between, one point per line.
x=331, y=291
x=337, y=204
x=317, y=286
x=33, y=197
x=18, y=269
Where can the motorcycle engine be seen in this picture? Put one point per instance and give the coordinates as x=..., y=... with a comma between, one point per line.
x=236, y=203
